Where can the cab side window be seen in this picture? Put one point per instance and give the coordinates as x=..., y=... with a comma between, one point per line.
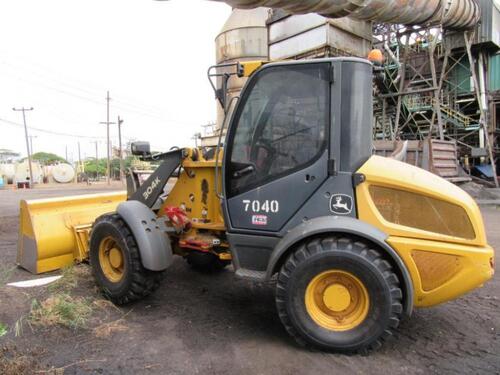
x=281, y=124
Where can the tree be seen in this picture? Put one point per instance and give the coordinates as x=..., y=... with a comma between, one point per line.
x=93, y=169
x=47, y=158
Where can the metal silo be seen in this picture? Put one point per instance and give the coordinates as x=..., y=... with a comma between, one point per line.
x=242, y=38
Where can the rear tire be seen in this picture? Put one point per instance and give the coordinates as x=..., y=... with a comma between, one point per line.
x=120, y=277
x=338, y=294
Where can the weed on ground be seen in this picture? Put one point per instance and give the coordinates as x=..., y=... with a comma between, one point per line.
x=61, y=309
x=12, y=362
x=5, y=273
x=71, y=278
x=3, y=329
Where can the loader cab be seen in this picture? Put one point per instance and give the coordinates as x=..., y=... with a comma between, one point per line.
x=297, y=125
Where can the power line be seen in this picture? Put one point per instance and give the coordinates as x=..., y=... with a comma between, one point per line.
x=125, y=107
x=50, y=131
x=92, y=91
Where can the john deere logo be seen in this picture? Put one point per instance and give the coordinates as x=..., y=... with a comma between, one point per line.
x=341, y=204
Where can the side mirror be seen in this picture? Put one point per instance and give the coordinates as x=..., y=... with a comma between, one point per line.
x=140, y=149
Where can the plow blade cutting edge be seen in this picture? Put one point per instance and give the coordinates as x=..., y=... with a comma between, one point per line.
x=54, y=232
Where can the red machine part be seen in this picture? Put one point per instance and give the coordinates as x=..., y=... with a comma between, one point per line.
x=178, y=218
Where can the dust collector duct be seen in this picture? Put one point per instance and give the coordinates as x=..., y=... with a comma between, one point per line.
x=452, y=14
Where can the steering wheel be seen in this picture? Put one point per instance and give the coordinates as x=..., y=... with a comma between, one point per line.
x=263, y=165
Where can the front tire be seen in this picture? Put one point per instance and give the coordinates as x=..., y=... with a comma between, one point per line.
x=338, y=294
x=116, y=264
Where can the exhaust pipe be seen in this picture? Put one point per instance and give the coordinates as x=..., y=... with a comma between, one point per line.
x=452, y=14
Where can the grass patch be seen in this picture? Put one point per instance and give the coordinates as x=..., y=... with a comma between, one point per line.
x=3, y=329
x=6, y=273
x=61, y=309
x=18, y=327
x=107, y=329
x=67, y=282
x=14, y=363
x=71, y=275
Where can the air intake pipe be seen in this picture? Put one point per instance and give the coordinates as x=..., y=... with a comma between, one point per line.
x=452, y=14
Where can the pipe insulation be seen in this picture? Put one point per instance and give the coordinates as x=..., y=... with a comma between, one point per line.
x=451, y=14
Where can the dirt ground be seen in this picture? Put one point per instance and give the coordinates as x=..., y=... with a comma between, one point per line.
x=218, y=324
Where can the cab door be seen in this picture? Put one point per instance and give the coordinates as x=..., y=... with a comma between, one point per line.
x=277, y=146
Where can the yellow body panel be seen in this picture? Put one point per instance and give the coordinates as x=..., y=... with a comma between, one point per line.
x=249, y=67
x=473, y=268
x=386, y=172
x=441, y=266
x=53, y=232
x=194, y=192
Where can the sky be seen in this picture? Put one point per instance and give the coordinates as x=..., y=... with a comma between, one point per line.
x=61, y=56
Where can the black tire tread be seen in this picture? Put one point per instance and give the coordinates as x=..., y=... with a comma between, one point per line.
x=312, y=247
x=144, y=282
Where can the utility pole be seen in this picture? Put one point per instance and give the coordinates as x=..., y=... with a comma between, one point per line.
x=27, y=143
x=108, y=162
x=96, y=162
x=31, y=142
x=79, y=158
x=122, y=167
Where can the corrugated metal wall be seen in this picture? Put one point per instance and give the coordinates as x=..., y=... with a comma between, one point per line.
x=494, y=73
x=459, y=77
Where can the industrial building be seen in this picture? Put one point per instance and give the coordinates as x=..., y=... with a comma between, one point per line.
x=438, y=86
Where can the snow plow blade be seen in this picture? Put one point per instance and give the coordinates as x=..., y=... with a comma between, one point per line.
x=54, y=232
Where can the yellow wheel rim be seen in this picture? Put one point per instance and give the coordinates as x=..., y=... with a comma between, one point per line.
x=111, y=259
x=337, y=300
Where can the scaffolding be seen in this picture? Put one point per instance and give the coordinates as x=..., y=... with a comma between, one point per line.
x=429, y=89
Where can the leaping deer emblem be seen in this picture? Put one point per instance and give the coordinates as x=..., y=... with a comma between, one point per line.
x=339, y=206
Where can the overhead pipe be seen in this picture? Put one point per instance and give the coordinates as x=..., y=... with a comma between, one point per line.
x=452, y=14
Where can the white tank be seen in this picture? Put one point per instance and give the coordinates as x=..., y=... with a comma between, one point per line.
x=8, y=172
x=47, y=170
x=63, y=173
x=23, y=172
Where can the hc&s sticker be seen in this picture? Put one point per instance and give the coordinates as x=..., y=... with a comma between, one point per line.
x=259, y=219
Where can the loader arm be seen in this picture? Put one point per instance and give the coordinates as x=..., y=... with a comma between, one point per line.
x=150, y=191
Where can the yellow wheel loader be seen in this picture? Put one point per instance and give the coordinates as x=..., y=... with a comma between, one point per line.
x=353, y=241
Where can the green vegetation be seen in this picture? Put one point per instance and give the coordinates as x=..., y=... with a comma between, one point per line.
x=67, y=282
x=61, y=309
x=46, y=158
x=92, y=169
x=70, y=276
x=3, y=329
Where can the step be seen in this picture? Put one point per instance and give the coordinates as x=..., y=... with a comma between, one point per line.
x=459, y=179
x=445, y=165
x=245, y=273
